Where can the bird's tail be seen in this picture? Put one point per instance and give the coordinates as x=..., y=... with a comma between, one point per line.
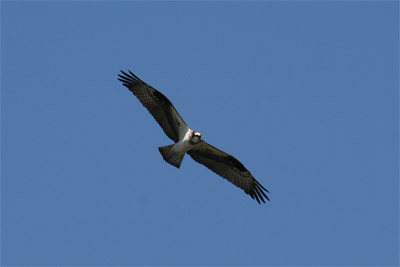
x=171, y=156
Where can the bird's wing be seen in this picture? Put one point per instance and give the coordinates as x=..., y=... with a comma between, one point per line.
x=229, y=168
x=157, y=104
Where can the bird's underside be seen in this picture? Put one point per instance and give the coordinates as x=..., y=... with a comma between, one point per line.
x=186, y=141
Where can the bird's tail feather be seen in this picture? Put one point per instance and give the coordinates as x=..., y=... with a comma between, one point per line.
x=171, y=156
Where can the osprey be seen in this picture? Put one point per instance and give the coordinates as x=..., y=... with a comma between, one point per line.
x=190, y=142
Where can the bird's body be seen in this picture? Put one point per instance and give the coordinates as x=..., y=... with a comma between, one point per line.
x=173, y=154
x=184, y=144
x=187, y=141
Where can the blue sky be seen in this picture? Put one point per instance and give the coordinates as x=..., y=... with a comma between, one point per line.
x=304, y=94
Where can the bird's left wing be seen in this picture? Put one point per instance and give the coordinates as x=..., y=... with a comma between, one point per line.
x=157, y=104
x=229, y=168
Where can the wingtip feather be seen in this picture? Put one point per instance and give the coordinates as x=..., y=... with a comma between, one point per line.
x=129, y=79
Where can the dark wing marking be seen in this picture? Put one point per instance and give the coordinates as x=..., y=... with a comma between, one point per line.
x=229, y=168
x=157, y=104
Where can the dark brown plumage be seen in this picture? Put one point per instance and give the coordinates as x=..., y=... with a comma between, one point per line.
x=176, y=129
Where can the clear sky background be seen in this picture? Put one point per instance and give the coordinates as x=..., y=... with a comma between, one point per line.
x=304, y=94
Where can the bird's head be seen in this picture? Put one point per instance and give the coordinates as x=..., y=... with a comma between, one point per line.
x=196, y=138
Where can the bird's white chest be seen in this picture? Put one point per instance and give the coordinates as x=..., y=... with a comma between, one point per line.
x=183, y=145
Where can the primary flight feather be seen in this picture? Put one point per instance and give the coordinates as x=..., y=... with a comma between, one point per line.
x=190, y=142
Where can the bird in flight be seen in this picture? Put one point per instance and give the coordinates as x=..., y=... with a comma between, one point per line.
x=188, y=141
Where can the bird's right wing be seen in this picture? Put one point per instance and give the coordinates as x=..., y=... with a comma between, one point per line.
x=157, y=104
x=229, y=168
